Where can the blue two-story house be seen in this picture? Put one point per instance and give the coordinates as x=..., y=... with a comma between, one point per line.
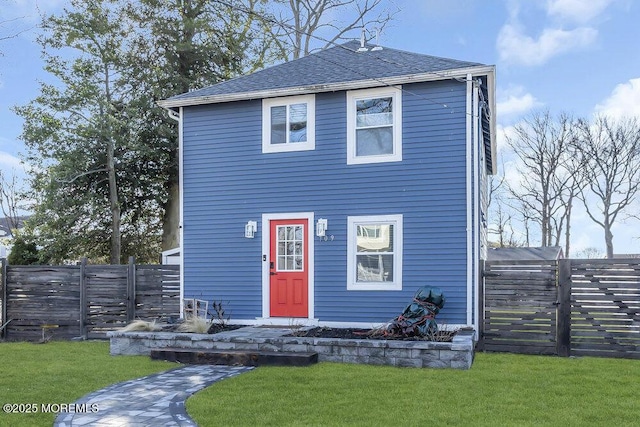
x=328, y=189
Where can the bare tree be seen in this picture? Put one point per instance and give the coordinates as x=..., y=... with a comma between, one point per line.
x=12, y=27
x=496, y=186
x=611, y=152
x=504, y=230
x=544, y=194
x=302, y=21
x=10, y=200
x=568, y=190
x=500, y=214
x=498, y=218
x=589, y=253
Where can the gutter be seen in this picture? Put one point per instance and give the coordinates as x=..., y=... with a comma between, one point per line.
x=469, y=141
x=459, y=73
x=477, y=132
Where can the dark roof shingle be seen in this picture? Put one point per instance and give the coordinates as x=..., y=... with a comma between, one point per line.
x=335, y=65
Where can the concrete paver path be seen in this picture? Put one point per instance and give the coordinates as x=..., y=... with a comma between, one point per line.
x=154, y=400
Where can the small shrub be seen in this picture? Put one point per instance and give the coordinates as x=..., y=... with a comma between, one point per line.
x=218, y=314
x=23, y=253
x=142, y=326
x=441, y=335
x=296, y=327
x=195, y=325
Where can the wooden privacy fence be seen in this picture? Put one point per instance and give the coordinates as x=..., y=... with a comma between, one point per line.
x=565, y=307
x=605, y=308
x=521, y=307
x=85, y=300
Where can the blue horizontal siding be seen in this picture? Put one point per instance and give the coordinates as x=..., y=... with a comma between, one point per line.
x=229, y=181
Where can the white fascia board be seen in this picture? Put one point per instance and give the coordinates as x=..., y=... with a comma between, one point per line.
x=491, y=89
x=460, y=73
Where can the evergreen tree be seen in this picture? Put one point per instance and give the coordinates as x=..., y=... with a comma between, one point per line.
x=104, y=155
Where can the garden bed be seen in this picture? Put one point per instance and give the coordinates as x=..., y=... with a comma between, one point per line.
x=369, y=334
x=457, y=354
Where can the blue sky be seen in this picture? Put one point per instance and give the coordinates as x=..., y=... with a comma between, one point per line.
x=575, y=56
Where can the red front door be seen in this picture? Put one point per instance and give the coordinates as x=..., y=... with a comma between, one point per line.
x=288, y=268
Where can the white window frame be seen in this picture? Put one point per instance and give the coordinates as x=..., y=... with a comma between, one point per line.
x=267, y=104
x=355, y=95
x=352, y=223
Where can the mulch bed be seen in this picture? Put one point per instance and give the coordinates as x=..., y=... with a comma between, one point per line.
x=342, y=333
x=367, y=334
x=215, y=328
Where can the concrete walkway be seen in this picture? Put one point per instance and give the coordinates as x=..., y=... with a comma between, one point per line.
x=154, y=400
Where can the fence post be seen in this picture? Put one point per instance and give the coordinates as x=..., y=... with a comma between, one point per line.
x=563, y=311
x=131, y=290
x=3, y=296
x=83, y=298
x=480, y=305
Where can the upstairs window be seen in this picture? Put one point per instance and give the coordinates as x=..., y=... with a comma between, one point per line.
x=374, y=125
x=288, y=124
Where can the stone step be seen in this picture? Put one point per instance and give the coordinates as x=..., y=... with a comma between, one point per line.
x=234, y=357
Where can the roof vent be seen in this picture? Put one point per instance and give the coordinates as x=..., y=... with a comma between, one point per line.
x=377, y=46
x=362, y=47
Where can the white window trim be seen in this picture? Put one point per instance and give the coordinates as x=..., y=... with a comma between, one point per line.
x=352, y=222
x=267, y=147
x=355, y=95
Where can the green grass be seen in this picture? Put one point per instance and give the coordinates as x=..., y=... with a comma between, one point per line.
x=61, y=372
x=499, y=390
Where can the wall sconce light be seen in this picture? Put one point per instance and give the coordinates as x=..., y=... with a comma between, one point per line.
x=321, y=227
x=250, y=229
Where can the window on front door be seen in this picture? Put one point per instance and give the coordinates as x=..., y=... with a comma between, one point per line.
x=289, y=252
x=288, y=124
x=374, y=126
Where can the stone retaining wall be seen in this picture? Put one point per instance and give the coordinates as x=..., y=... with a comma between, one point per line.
x=457, y=354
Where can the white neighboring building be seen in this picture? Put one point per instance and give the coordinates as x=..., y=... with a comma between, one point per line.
x=171, y=256
x=6, y=236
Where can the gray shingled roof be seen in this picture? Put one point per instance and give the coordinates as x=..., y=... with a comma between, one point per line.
x=525, y=254
x=324, y=69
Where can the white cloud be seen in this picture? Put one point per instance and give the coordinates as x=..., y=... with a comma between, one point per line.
x=9, y=162
x=30, y=10
x=502, y=133
x=512, y=173
x=572, y=29
x=580, y=11
x=624, y=101
x=515, y=101
x=515, y=47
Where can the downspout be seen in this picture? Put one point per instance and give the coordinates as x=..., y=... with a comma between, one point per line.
x=469, y=138
x=177, y=116
x=476, y=202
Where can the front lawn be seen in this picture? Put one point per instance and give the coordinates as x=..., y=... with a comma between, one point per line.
x=60, y=373
x=499, y=390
